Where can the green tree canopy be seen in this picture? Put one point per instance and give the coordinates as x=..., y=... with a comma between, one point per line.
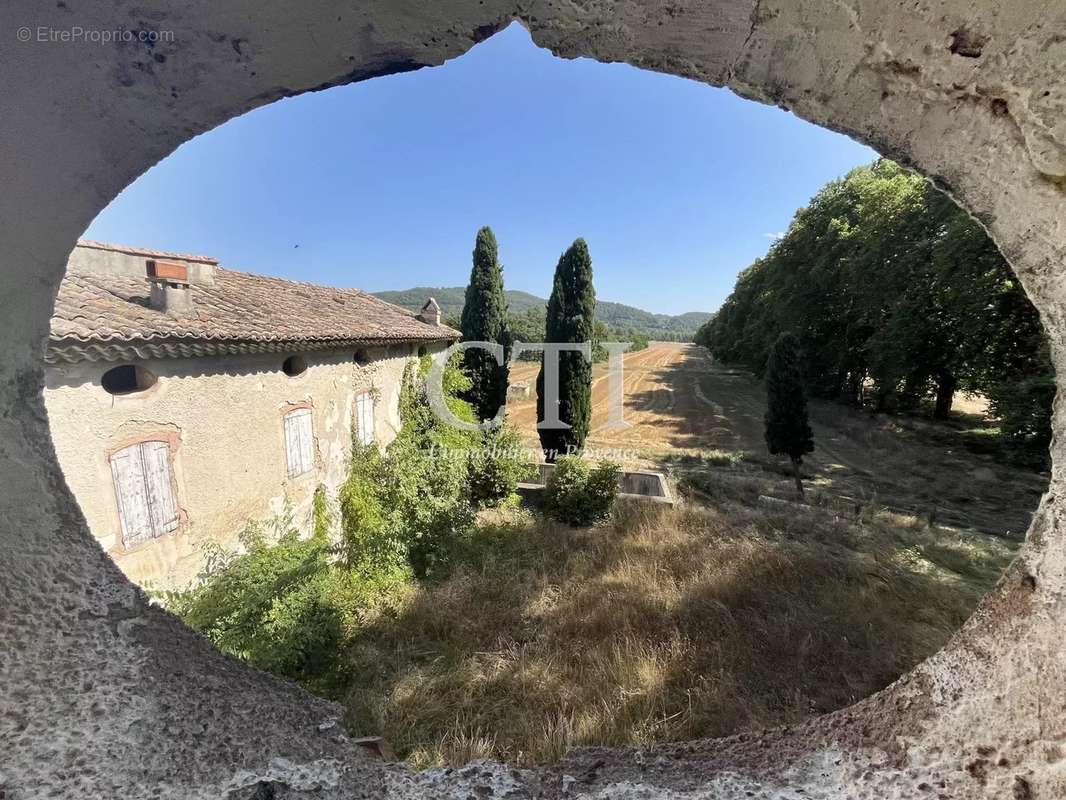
x=896, y=296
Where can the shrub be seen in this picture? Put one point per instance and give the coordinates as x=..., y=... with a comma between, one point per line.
x=638, y=340
x=1023, y=405
x=581, y=495
x=285, y=605
x=402, y=508
x=300, y=634
x=408, y=505
x=292, y=605
x=237, y=594
x=322, y=516
x=497, y=467
x=372, y=539
x=431, y=502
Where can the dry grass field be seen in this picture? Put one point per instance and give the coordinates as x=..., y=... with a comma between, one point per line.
x=727, y=613
x=688, y=412
x=662, y=626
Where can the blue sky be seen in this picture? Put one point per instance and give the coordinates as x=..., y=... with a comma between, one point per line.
x=675, y=185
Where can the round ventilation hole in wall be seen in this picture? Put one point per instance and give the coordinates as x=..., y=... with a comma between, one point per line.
x=294, y=365
x=127, y=379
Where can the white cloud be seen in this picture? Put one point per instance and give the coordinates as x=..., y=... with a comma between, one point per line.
x=775, y=236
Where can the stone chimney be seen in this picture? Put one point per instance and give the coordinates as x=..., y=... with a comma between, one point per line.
x=430, y=313
x=118, y=259
x=170, y=287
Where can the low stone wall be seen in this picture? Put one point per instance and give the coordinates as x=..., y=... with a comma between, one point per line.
x=519, y=390
x=633, y=485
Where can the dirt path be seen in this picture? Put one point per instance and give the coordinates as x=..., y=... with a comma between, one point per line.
x=663, y=414
x=678, y=401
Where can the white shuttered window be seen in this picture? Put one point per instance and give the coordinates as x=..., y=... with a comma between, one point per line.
x=144, y=487
x=299, y=442
x=364, y=405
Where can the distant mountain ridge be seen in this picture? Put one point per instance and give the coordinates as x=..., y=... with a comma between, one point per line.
x=616, y=315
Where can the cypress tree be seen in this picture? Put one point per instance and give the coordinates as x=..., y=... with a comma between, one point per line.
x=571, y=315
x=787, y=429
x=484, y=320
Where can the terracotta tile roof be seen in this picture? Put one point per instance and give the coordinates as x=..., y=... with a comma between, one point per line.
x=97, y=314
x=144, y=251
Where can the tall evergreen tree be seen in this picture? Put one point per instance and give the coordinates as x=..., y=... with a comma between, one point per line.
x=571, y=317
x=484, y=320
x=787, y=428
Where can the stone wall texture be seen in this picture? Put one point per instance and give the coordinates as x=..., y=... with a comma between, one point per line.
x=104, y=696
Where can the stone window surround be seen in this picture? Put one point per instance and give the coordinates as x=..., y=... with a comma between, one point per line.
x=173, y=441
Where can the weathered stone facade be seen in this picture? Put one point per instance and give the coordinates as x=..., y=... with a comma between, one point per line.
x=182, y=410
x=225, y=418
x=101, y=695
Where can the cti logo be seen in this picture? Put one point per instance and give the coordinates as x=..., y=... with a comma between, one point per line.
x=551, y=350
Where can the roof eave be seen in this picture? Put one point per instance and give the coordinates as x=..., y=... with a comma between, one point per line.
x=71, y=350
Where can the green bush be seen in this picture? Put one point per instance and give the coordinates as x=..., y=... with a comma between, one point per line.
x=373, y=537
x=322, y=516
x=413, y=503
x=497, y=467
x=402, y=508
x=579, y=494
x=431, y=504
x=284, y=604
x=238, y=594
x=1023, y=406
x=301, y=633
x=291, y=605
x=638, y=340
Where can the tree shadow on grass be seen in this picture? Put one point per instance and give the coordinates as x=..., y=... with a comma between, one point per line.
x=913, y=466
x=667, y=625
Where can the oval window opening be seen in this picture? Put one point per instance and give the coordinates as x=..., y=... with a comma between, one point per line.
x=294, y=365
x=127, y=379
x=857, y=445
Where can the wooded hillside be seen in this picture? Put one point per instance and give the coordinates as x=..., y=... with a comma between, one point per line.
x=616, y=316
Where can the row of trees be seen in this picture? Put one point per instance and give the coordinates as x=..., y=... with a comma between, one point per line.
x=896, y=297
x=570, y=318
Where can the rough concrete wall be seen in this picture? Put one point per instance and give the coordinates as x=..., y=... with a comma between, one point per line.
x=225, y=416
x=971, y=92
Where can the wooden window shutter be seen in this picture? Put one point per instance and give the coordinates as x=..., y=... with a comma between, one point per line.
x=299, y=442
x=159, y=479
x=144, y=488
x=307, y=442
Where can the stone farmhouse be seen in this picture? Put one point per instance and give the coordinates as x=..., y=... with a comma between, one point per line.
x=186, y=399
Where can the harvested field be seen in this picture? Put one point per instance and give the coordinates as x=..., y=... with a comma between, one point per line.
x=688, y=413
